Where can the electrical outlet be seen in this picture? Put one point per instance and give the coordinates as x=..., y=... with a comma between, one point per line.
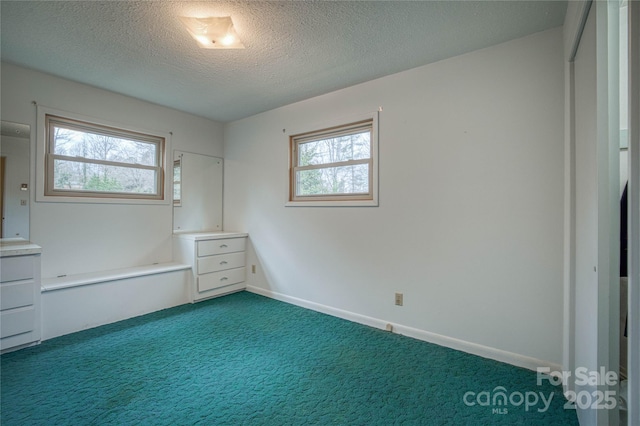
x=253, y=269
x=399, y=298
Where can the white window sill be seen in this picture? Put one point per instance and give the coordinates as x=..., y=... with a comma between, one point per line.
x=326, y=203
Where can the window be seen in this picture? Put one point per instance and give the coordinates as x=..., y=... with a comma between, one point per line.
x=334, y=166
x=84, y=159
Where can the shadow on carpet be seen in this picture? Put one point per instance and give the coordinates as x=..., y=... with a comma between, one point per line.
x=244, y=359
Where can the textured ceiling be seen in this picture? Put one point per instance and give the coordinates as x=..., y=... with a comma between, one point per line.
x=294, y=49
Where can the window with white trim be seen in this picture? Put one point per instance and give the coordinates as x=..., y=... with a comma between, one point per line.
x=334, y=166
x=84, y=159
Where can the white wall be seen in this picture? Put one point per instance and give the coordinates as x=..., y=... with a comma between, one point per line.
x=470, y=222
x=78, y=238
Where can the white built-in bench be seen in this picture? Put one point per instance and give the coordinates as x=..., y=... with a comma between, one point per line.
x=76, y=280
x=76, y=302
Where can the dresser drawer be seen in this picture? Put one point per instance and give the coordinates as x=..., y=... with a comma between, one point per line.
x=16, y=268
x=17, y=321
x=211, y=247
x=16, y=294
x=220, y=279
x=220, y=262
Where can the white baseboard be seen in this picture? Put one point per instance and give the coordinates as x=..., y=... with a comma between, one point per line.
x=438, y=339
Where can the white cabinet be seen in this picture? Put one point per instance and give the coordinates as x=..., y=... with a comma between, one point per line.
x=217, y=261
x=19, y=294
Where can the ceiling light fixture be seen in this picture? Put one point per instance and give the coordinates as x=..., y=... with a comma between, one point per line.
x=213, y=33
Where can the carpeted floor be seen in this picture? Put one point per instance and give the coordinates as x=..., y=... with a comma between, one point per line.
x=244, y=359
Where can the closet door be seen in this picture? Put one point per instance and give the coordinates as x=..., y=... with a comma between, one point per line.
x=586, y=207
x=634, y=214
x=596, y=103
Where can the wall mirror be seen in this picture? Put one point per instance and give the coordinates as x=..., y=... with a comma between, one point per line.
x=197, y=192
x=14, y=179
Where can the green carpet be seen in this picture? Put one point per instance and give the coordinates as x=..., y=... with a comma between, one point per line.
x=244, y=359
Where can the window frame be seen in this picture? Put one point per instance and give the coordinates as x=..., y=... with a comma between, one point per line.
x=328, y=130
x=45, y=172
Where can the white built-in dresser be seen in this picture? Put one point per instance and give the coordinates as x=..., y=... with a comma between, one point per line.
x=19, y=294
x=217, y=261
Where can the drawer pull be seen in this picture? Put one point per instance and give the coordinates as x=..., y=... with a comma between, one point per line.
x=224, y=279
x=223, y=246
x=224, y=262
